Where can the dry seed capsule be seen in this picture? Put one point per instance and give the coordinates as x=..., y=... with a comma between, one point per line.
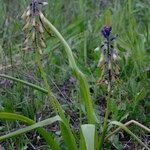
x=97, y=49
x=26, y=26
x=39, y=50
x=117, y=70
x=26, y=41
x=101, y=61
x=42, y=43
x=114, y=54
x=44, y=3
x=43, y=19
x=109, y=65
x=26, y=14
x=109, y=87
x=40, y=28
x=33, y=22
x=25, y=48
x=33, y=36
x=27, y=37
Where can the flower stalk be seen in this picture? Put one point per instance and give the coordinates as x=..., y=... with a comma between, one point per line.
x=34, y=38
x=106, y=63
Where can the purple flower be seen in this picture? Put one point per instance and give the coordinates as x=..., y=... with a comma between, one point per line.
x=106, y=31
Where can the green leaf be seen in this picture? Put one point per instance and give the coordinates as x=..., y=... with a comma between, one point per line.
x=31, y=127
x=68, y=137
x=88, y=131
x=13, y=117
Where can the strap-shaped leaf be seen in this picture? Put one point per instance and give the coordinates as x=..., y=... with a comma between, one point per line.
x=88, y=131
x=47, y=136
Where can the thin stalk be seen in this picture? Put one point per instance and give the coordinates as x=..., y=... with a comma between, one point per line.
x=101, y=142
x=53, y=101
x=84, y=88
x=108, y=97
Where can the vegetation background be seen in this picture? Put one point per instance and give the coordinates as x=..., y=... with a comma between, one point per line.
x=80, y=22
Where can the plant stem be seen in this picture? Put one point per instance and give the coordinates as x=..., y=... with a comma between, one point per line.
x=109, y=80
x=101, y=142
x=53, y=101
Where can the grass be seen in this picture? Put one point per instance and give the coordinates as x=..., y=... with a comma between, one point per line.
x=70, y=75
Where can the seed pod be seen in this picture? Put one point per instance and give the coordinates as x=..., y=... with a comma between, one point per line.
x=27, y=37
x=101, y=61
x=44, y=3
x=97, y=49
x=117, y=70
x=26, y=26
x=43, y=19
x=39, y=50
x=41, y=16
x=26, y=41
x=115, y=54
x=40, y=28
x=33, y=36
x=26, y=14
x=25, y=48
x=109, y=65
x=33, y=22
x=109, y=87
x=42, y=43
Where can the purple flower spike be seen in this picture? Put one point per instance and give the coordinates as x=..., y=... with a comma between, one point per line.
x=106, y=31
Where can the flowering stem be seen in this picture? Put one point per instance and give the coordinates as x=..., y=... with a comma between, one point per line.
x=109, y=95
x=53, y=101
x=101, y=142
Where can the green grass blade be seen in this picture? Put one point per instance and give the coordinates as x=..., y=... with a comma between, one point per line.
x=13, y=117
x=88, y=131
x=129, y=132
x=31, y=127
